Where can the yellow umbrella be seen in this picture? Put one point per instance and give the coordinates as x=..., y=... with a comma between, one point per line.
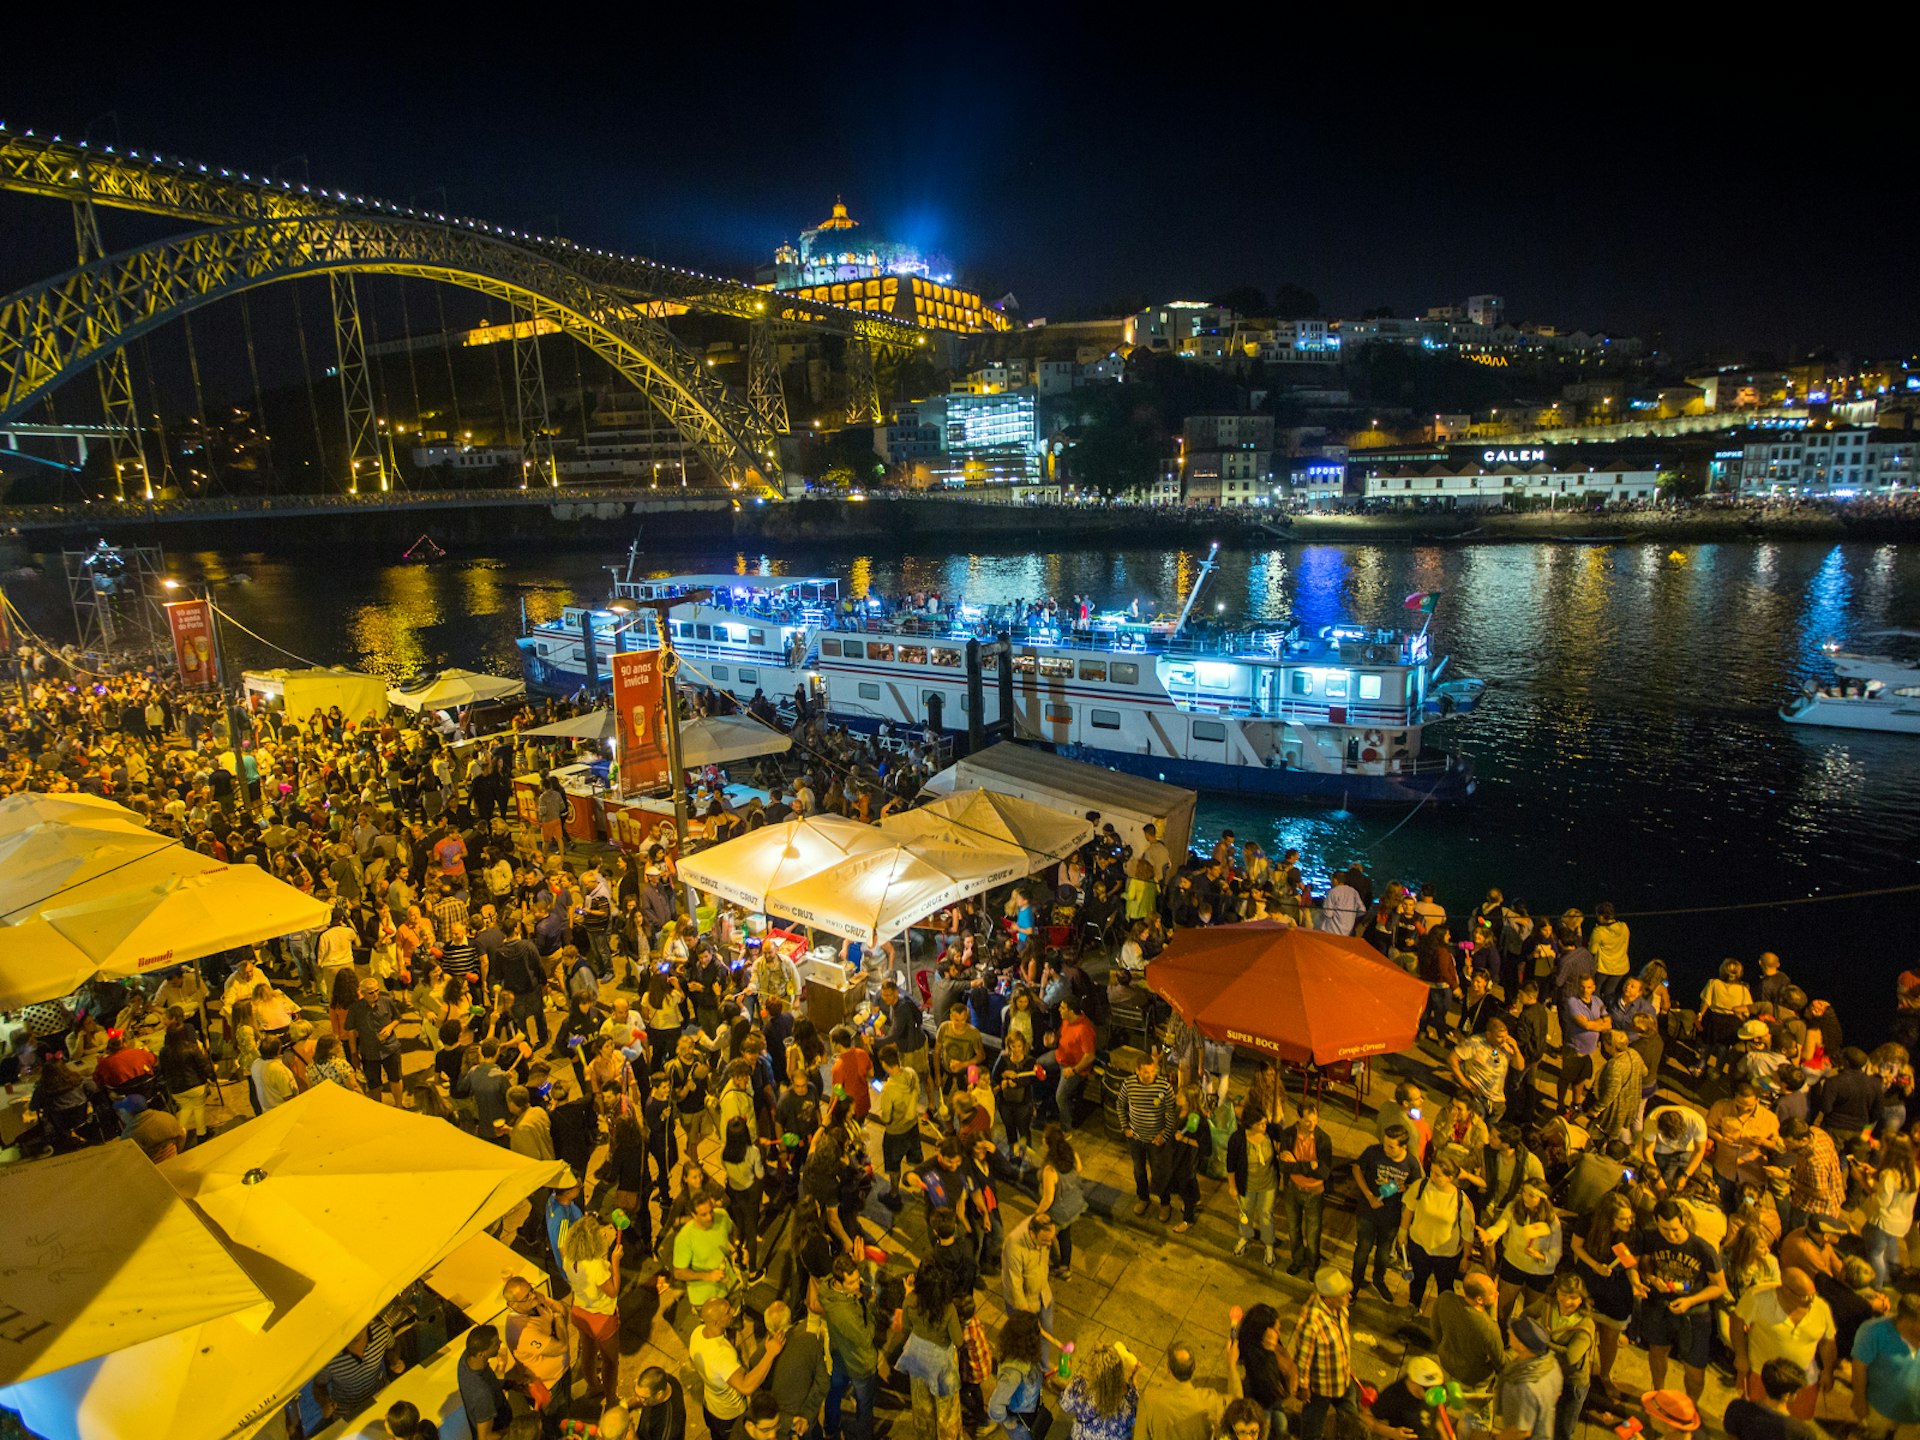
x=336, y=1203
x=149, y=927
x=134, y=931
x=17, y=812
x=103, y=1254
x=49, y=864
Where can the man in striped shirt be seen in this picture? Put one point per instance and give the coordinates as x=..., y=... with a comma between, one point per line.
x=1146, y=1101
x=459, y=957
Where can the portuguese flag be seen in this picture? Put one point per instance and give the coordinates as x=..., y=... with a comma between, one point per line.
x=1422, y=600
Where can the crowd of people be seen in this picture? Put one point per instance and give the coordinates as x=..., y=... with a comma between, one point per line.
x=875, y=1216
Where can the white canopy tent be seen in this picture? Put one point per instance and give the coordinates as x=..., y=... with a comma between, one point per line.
x=594, y=725
x=875, y=896
x=1047, y=834
x=104, y=1254
x=335, y=1204
x=105, y=931
x=722, y=739
x=749, y=869
x=454, y=690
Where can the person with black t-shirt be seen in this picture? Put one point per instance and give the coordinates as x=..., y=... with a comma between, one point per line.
x=1768, y=1419
x=1382, y=1175
x=1678, y=1278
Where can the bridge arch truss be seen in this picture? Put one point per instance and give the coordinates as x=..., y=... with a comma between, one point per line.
x=54, y=331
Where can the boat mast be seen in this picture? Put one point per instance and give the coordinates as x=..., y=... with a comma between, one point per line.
x=1199, y=583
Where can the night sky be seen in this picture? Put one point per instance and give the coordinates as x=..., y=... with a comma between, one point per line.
x=1718, y=197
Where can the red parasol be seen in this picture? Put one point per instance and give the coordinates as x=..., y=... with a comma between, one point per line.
x=1298, y=994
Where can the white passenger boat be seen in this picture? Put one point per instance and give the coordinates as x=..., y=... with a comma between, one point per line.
x=1872, y=706
x=1891, y=671
x=1334, y=716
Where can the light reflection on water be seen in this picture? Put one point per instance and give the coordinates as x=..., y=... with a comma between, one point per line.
x=1630, y=748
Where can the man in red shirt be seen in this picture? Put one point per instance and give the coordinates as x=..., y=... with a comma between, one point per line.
x=1072, y=1060
x=122, y=1063
x=852, y=1071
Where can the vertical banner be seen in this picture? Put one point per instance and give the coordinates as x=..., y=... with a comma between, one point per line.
x=640, y=717
x=190, y=622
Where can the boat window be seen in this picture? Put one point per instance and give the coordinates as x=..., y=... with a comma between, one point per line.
x=1125, y=673
x=756, y=637
x=1060, y=714
x=1369, y=687
x=829, y=647
x=1104, y=719
x=966, y=707
x=948, y=658
x=990, y=662
x=927, y=697
x=1215, y=677
x=1025, y=664
x=719, y=672
x=913, y=654
x=703, y=632
x=748, y=676
x=1091, y=671
x=869, y=692
x=1056, y=667
x=1337, y=686
x=1300, y=682
x=856, y=649
x=879, y=650
x=579, y=653
x=1209, y=730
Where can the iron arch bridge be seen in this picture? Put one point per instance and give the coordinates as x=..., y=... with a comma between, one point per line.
x=261, y=230
x=54, y=331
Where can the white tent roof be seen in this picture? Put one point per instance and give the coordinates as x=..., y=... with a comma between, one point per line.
x=722, y=739
x=104, y=1254
x=452, y=689
x=746, y=870
x=594, y=725
x=875, y=896
x=114, y=932
x=1048, y=835
x=335, y=1203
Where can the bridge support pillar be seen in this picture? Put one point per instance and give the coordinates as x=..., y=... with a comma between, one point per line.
x=122, y=415
x=863, y=391
x=765, y=392
x=530, y=395
x=366, y=461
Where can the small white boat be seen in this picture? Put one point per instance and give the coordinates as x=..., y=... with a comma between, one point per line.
x=1895, y=712
x=1892, y=671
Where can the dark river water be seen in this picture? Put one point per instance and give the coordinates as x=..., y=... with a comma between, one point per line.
x=1629, y=745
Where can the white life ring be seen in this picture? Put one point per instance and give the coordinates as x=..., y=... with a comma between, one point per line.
x=1374, y=737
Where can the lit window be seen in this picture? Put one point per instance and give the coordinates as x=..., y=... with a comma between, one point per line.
x=879, y=650
x=1059, y=714
x=1369, y=687
x=1125, y=673
x=1092, y=671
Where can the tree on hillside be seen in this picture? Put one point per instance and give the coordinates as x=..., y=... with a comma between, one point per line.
x=1295, y=302
x=1243, y=300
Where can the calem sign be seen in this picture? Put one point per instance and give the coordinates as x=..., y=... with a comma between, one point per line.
x=1514, y=457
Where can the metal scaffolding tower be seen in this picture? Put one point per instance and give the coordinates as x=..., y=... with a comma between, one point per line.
x=765, y=393
x=530, y=399
x=366, y=460
x=863, y=391
x=122, y=414
x=118, y=597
